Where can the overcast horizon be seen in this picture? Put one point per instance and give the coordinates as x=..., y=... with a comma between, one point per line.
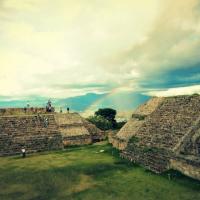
x=61, y=49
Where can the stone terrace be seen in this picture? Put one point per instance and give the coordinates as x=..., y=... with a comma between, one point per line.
x=76, y=130
x=167, y=135
x=166, y=126
x=33, y=132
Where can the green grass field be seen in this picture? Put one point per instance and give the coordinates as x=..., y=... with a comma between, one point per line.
x=85, y=173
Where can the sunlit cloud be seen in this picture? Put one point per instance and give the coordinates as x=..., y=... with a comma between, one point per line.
x=65, y=48
x=176, y=91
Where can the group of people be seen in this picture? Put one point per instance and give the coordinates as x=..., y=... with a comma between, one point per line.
x=49, y=107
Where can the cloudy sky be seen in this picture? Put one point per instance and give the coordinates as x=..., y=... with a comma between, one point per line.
x=66, y=48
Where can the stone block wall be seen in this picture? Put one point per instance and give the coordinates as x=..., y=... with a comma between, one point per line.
x=21, y=111
x=197, y=145
x=188, y=166
x=156, y=160
x=77, y=140
x=149, y=107
x=191, y=145
x=74, y=134
x=169, y=136
x=170, y=122
x=42, y=132
x=75, y=130
x=110, y=137
x=33, y=132
x=96, y=133
x=120, y=140
x=118, y=143
x=163, y=133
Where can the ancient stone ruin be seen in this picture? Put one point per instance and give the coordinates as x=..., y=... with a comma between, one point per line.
x=163, y=134
x=35, y=130
x=32, y=132
x=75, y=130
x=21, y=111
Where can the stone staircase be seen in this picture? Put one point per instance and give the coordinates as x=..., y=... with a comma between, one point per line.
x=171, y=121
x=174, y=123
x=33, y=132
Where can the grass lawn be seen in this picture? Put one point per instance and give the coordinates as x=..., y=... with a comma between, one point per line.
x=85, y=173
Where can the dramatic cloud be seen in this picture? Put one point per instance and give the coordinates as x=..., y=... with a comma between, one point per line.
x=176, y=91
x=173, y=42
x=66, y=48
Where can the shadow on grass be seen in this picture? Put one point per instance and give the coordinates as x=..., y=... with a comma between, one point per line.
x=177, y=176
x=16, y=182
x=48, y=184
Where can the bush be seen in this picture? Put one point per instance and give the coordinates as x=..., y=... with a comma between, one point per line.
x=104, y=119
x=100, y=122
x=108, y=114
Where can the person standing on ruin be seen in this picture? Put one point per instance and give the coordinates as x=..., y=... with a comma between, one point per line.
x=48, y=107
x=23, y=152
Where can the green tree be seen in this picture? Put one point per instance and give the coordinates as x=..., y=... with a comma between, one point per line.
x=100, y=122
x=109, y=114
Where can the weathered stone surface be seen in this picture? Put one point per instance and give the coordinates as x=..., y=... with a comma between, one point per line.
x=42, y=132
x=77, y=140
x=33, y=132
x=149, y=107
x=156, y=160
x=188, y=165
x=21, y=111
x=96, y=133
x=120, y=141
x=75, y=130
x=170, y=122
x=161, y=130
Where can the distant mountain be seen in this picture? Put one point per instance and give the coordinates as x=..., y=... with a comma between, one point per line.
x=79, y=103
x=33, y=101
x=123, y=101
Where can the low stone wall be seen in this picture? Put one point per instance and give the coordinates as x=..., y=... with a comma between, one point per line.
x=96, y=133
x=77, y=140
x=189, y=167
x=117, y=142
x=32, y=132
x=110, y=137
x=21, y=111
x=99, y=137
x=156, y=160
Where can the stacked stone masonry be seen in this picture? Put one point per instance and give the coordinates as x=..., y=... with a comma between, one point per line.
x=43, y=132
x=77, y=131
x=32, y=132
x=168, y=130
x=21, y=111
